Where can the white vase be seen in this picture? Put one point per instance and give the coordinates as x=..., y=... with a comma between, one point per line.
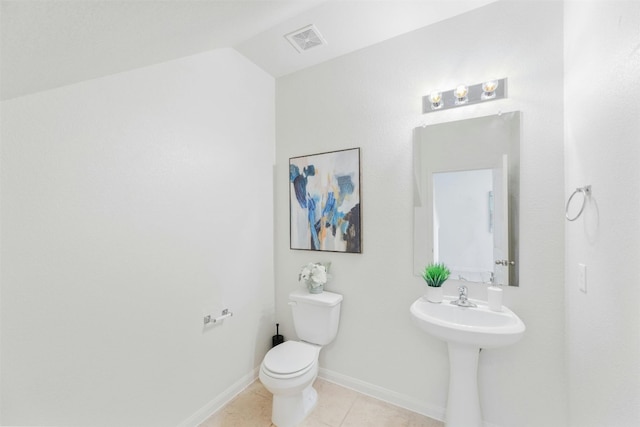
x=318, y=289
x=434, y=294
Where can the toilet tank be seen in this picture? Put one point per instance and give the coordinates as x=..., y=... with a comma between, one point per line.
x=315, y=316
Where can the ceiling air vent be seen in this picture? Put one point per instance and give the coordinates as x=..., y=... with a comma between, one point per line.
x=305, y=38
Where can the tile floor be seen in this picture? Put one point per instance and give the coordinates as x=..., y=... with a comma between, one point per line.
x=337, y=407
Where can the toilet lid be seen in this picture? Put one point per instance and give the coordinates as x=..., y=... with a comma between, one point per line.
x=289, y=357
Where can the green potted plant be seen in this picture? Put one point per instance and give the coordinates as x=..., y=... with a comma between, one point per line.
x=435, y=274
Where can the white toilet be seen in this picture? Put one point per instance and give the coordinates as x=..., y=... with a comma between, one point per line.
x=289, y=369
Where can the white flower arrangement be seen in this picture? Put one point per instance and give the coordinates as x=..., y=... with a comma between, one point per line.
x=315, y=275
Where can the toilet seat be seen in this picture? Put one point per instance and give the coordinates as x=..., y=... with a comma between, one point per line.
x=290, y=359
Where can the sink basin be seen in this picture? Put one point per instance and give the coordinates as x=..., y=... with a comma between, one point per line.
x=466, y=330
x=476, y=326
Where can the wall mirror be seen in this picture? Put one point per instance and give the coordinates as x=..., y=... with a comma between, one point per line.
x=466, y=198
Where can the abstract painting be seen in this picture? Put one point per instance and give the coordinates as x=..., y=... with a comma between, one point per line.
x=324, y=201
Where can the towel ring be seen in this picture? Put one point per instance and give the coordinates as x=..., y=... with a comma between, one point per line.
x=586, y=192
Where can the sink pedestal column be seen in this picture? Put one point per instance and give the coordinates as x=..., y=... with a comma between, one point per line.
x=463, y=405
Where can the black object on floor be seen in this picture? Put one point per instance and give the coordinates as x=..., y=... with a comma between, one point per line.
x=277, y=338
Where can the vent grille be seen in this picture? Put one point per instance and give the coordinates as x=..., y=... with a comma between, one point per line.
x=305, y=38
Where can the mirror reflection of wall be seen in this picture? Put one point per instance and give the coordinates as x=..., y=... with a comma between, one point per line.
x=466, y=198
x=463, y=223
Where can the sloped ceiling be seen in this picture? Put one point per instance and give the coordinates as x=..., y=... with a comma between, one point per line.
x=46, y=44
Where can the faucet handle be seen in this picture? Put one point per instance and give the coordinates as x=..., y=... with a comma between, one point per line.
x=462, y=300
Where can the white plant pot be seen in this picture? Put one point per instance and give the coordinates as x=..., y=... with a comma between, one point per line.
x=434, y=294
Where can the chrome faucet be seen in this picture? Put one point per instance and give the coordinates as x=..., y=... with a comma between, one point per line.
x=462, y=300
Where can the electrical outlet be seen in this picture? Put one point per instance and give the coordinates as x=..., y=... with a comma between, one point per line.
x=582, y=277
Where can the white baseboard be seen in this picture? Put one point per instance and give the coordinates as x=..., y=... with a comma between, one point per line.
x=397, y=399
x=222, y=399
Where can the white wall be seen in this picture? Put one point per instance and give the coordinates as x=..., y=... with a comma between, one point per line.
x=131, y=205
x=602, y=135
x=372, y=99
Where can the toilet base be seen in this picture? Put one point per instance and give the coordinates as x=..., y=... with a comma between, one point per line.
x=290, y=411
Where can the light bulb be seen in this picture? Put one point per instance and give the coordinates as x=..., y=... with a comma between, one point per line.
x=460, y=92
x=489, y=89
x=436, y=100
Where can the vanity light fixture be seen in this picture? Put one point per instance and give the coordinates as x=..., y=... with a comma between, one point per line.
x=465, y=95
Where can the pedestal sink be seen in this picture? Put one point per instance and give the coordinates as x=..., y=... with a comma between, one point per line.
x=466, y=330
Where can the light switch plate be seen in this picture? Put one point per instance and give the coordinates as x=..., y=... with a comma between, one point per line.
x=582, y=277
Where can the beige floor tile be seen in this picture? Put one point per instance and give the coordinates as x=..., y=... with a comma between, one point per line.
x=333, y=404
x=417, y=420
x=257, y=387
x=337, y=407
x=369, y=412
x=249, y=409
x=313, y=422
